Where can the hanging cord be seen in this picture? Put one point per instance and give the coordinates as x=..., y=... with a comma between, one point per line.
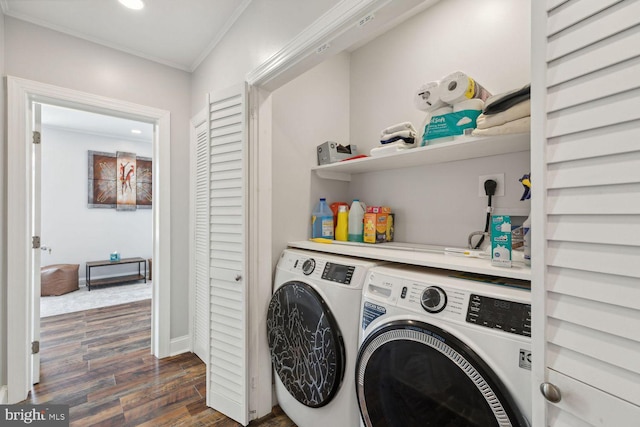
x=490, y=189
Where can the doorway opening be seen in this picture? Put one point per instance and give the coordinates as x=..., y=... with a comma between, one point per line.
x=23, y=364
x=80, y=219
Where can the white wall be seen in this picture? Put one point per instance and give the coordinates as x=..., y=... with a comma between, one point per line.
x=437, y=204
x=490, y=41
x=3, y=218
x=304, y=116
x=47, y=56
x=75, y=233
x=263, y=29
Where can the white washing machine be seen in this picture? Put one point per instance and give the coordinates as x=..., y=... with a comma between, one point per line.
x=442, y=348
x=312, y=328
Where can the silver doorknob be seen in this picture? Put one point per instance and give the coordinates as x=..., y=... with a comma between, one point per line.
x=238, y=278
x=550, y=392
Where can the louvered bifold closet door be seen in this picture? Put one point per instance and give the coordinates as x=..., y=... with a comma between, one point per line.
x=201, y=237
x=592, y=174
x=228, y=392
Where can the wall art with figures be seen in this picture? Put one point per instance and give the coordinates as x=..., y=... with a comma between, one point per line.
x=120, y=180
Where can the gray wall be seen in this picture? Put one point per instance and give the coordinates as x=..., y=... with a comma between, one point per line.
x=46, y=56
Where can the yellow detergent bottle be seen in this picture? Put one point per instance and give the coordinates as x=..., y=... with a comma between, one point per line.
x=342, y=227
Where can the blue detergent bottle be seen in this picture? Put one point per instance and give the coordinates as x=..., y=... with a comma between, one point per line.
x=322, y=220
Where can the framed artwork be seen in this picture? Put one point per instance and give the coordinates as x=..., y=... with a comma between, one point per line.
x=120, y=180
x=144, y=179
x=126, y=182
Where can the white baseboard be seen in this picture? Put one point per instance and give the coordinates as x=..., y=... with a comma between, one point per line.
x=3, y=395
x=180, y=345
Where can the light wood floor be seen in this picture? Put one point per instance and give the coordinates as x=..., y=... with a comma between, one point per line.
x=99, y=363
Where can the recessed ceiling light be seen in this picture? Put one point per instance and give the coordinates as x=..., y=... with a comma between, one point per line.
x=136, y=131
x=133, y=4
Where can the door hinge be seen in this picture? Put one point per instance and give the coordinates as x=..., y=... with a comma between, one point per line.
x=36, y=137
x=35, y=347
x=35, y=242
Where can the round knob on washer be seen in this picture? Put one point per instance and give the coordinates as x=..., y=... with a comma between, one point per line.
x=308, y=266
x=433, y=299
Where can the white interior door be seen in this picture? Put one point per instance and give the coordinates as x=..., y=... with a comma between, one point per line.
x=200, y=131
x=586, y=212
x=36, y=114
x=227, y=389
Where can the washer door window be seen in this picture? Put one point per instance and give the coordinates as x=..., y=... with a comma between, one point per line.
x=412, y=374
x=307, y=350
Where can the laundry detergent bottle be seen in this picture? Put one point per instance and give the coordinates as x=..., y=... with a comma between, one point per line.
x=342, y=225
x=322, y=220
x=356, y=221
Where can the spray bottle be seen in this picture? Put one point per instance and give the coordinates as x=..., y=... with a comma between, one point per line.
x=526, y=225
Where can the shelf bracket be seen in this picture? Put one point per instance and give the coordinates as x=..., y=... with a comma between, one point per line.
x=337, y=176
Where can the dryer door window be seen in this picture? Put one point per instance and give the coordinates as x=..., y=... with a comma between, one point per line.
x=307, y=350
x=413, y=374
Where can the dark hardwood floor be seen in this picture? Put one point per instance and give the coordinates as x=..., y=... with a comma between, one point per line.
x=99, y=363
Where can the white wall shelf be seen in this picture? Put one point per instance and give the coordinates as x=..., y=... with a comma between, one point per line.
x=463, y=149
x=414, y=254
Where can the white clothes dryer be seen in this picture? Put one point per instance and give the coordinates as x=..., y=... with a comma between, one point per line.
x=443, y=348
x=312, y=328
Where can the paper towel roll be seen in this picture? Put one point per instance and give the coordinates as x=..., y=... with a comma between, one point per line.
x=427, y=97
x=439, y=112
x=471, y=109
x=458, y=86
x=469, y=104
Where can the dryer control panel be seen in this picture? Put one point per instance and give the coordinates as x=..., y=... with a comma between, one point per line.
x=338, y=273
x=509, y=316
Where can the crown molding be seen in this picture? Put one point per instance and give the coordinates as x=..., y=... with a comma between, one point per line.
x=349, y=23
x=223, y=32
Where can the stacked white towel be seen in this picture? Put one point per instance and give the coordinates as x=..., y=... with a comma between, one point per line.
x=505, y=113
x=403, y=133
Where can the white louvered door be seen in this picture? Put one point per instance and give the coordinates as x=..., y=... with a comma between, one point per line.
x=227, y=387
x=586, y=210
x=200, y=131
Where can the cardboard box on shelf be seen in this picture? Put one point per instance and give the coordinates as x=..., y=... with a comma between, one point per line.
x=376, y=221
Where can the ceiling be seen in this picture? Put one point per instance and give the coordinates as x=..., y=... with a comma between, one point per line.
x=178, y=33
x=67, y=119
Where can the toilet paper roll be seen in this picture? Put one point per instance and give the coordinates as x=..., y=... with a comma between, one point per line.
x=469, y=104
x=427, y=97
x=457, y=87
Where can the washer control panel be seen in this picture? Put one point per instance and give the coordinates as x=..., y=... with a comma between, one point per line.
x=338, y=273
x=308, y=266
x=433, y=299
x=509, y=316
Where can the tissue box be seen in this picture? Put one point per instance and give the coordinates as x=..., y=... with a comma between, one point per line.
x=331, y=152
x=501, y=240
x=376, y=221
